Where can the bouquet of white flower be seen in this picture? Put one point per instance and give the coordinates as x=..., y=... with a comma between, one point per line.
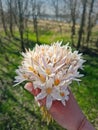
x=51, y=68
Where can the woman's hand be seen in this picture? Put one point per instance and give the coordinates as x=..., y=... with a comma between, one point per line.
x=69, y=116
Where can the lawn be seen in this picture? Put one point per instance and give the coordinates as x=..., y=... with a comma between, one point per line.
x=18, y=110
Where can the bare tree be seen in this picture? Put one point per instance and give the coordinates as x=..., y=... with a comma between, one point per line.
x=82, y=24
x=10, y=18
x=20, y=12
x=71, y=11
x=21, y=23
x=89, y=28
x=55, y=5
x=73, y=6
x=3, y=18
x=36, y=12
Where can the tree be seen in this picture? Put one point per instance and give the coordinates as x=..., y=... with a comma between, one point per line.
x=36, y=12
x=10, y=11
x=82, y=24
x=89, y=28
x=55, y=5
x=3, y=18
x=73, y=4
x=20, y=13
x=21, y=23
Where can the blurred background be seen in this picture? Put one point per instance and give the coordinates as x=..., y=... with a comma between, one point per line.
x=23, y=23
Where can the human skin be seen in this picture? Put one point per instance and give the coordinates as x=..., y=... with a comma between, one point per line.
x=69, y=116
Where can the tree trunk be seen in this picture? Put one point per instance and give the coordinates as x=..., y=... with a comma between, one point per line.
x=73, y=15
x=89, y=28
x=73, y=4
x=3, y=18
x=21, y=25
x=36, y=27
x=22, y=41
x=82, y=24
x=11, y=18
x=73, y=28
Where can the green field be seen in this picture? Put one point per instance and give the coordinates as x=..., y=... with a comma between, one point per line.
x=18, y=110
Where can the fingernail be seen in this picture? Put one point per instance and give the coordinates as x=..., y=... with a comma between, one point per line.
x=28, y=88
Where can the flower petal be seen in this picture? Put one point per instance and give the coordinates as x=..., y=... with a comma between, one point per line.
x=56, y=95
x=41, y=95
x=48, y=102
x=63, y=102
x=66, y=98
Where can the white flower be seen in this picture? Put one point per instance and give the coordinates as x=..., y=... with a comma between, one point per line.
x=51, y=68
x=21, y=77
x=49, y=92
x=64, y=93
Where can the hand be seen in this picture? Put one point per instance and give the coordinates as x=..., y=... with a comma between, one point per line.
x=69, y=116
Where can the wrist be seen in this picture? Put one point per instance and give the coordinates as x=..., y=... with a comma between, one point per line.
x=85, y=125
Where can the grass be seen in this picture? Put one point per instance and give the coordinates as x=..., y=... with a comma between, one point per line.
x=18, y=110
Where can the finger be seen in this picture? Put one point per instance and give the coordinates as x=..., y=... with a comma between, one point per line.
x=29, y=87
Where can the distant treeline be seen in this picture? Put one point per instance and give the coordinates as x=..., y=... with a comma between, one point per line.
x=17, y=13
